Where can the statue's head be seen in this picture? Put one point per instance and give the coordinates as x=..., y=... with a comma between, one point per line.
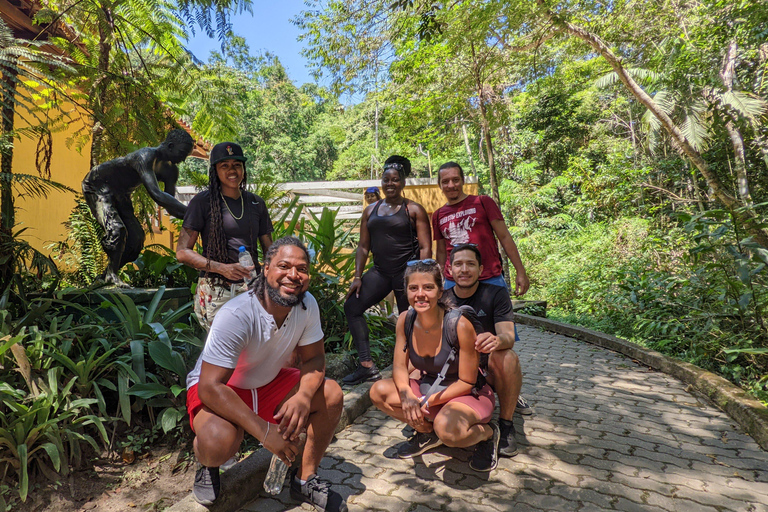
x=177, y=146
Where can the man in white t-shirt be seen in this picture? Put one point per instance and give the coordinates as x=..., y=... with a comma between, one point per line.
x=239, y=384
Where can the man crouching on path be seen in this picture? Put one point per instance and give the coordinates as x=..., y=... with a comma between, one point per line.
x=239, y=384
x=494, y=310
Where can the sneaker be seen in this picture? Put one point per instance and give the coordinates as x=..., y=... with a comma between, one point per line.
x=418, y=444
x=507, y=441
x=523, y=407
x=229, y=464
x=362, y=374
x=486, y=455
x=317, y=493
x=207, y=485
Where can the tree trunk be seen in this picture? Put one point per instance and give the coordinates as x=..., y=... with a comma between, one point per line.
x=106, y=30
x=7, y=209
x=467, y=148
x=7, y=212
x=737, y=141
x=746, y=216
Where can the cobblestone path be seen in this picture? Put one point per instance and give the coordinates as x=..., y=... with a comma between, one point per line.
x=607, y=434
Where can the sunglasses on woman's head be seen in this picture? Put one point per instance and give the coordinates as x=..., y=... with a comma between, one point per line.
x=394, y=165
x=428, y=261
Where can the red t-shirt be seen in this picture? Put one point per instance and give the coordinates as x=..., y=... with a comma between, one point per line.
x=469, y=222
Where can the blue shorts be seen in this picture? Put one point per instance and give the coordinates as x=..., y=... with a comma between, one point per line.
x=498, y=281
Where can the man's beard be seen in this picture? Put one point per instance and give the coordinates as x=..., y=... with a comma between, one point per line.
x=282, y=300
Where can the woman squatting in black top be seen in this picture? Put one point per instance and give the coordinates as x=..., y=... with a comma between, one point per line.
x=397, y=230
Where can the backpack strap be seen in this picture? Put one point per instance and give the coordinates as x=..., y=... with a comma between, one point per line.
x=450, y=334
x=410, y=320
x=467, y=312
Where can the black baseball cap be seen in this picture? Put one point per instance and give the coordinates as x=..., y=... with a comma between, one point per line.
x=226, y=151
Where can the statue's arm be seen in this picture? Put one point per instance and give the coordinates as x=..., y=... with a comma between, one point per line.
x=164, y=199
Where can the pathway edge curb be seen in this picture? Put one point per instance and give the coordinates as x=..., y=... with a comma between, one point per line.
x=745, y=410
x=242, y=483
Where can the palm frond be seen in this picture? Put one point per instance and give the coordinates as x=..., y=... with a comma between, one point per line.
x=34, y=186
x=642, y=76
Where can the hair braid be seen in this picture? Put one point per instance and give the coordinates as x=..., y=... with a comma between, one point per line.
x=217, y=240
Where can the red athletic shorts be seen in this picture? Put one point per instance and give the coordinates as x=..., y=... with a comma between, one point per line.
x=268, y=397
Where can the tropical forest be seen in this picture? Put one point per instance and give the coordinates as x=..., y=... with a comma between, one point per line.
x=625, y=142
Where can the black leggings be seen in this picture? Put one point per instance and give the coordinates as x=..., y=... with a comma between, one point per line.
x=374, y=288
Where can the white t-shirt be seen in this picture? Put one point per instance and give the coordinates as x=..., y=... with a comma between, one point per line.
x=245, y=337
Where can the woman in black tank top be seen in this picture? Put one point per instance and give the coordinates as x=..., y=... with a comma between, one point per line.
x=447, y=413
x=397, y=230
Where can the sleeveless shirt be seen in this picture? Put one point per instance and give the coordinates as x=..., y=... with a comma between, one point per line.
x=393, y=239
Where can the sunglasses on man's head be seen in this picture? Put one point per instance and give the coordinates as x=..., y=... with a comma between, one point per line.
x=462, y=246
x=428, y=261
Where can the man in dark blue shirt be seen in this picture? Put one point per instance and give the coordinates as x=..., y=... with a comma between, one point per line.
x=494, y=310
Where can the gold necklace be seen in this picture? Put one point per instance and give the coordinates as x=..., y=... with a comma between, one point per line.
x=242, y=207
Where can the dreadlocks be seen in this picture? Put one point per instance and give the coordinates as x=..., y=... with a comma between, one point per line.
x=218, y=240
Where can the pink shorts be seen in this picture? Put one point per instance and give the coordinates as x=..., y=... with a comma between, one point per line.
x=483, y=404
x=268, y=397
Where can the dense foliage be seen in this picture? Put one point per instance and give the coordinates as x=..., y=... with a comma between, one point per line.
x=626, y=143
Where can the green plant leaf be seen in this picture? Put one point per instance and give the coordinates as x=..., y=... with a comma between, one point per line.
x=22, y=450
x=122, y=393
x=167, y=358
x=53, y=453
x=147, y=390
x=169, y=418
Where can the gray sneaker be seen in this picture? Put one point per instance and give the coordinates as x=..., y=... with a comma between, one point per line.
x=229, y=464
x=507, y=442
x=207, y=485
x=418, y=444
x=317, y=493
x=523, y=407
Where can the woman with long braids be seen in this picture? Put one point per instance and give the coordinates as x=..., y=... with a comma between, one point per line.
x=227, y=217
x=397, y=230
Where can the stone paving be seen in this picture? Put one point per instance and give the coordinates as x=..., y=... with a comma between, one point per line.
x=607, y=434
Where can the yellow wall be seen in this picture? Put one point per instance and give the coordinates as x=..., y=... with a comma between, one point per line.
x=43, y=216
x=431, y=197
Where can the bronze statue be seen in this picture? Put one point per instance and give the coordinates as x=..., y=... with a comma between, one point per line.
x=108, y=186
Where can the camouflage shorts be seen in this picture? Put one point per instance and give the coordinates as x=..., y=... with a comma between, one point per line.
x=210, y=296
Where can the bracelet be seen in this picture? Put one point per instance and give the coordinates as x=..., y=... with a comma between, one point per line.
x=356, y=277
x=265, y=435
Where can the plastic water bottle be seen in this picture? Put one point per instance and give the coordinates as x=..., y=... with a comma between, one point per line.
x=273, y=483
x=247, y=262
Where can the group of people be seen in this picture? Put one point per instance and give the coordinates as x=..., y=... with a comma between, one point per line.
x=454, y=337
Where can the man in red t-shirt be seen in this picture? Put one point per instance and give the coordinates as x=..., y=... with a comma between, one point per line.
x=467, y=219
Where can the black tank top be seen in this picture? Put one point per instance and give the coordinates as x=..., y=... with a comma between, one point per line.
x=393, y=240
x=431, y=366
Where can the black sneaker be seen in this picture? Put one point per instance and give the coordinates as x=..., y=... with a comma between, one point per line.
x=207, y=485
x=317, y=493
x=486, y=455
x=418, y=444
x=523, y=407
x=507, y=442
x=362, y=374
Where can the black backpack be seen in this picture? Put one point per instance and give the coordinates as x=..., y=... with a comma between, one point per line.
x=450, y=331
